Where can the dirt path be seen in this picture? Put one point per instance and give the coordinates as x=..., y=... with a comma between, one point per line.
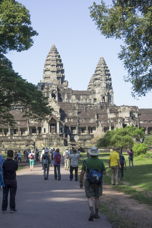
x=56, y=204
x=134, y=214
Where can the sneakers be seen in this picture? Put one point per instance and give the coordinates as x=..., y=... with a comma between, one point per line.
x=96, y=216
x=91, y=217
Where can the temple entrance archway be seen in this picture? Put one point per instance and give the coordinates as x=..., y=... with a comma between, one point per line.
x=53, y=126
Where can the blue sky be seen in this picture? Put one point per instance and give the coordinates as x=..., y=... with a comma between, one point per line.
x=68, y=25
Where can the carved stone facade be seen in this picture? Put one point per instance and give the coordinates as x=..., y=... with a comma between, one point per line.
x=77, y=116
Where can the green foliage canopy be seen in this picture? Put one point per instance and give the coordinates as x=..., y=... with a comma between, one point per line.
x=131, y=21
x=16, y=34
x=15, y=27
x=121, y=138
x=16, y=91
x=139, y=148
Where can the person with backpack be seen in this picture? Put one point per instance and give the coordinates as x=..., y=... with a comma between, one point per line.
x=31, y=158
x=57, y=163
x=93, y=168
x=46, y=164
x=130, y=157
x=114, y=165
x=122, y=162
x=74, y=160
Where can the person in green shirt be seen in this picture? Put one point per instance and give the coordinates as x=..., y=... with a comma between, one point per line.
x=93, y=169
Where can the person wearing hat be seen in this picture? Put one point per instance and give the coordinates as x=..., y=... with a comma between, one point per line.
x=93, y=169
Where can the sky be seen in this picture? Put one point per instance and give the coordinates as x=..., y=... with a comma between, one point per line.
x=68, y=25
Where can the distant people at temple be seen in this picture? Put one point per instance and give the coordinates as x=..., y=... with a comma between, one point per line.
x=66, y=159
x=10, y=183
x=74, y=161
x=37, y=155
x=130, y=157
x=16, y=156
x=122, y=162
x=114, y=165
x=31, y=158
x=19, y=156
x=52, y=151
x=43, y=151
x=26, y=153
x=57, y=164
x=46, y=164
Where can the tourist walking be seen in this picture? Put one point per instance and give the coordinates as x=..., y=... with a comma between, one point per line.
x=19, y=156
x=1, y=171
x=130, y=157
x=94, y=169
x=46, y=164
x=66, y=159
x=122, y=162
x=10, y=184
x=57, y=163
x=31, y=158
x=74, y=160
x=114, y=165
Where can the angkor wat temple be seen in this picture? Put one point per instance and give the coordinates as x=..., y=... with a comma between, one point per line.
x=77, y=116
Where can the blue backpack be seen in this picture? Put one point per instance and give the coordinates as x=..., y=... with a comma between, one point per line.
x=94, y=176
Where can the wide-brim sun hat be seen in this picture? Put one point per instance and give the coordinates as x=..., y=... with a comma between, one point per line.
x=93, y=151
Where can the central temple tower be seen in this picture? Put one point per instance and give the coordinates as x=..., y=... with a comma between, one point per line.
x=53, y=67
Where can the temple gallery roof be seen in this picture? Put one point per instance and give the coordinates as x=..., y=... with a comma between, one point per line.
x=145, y=114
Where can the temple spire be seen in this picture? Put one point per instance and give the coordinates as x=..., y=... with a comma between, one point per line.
x=101, y=84
x=53, y=67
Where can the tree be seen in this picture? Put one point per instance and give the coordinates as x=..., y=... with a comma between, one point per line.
x=15, y=27
x=130, y=21
x=121, y=138
x=16, y=34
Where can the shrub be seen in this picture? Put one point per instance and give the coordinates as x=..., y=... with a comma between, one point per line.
x=139, y=148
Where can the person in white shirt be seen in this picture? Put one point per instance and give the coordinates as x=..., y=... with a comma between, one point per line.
x=66, y=159
x=31, y=158
x=74, y=160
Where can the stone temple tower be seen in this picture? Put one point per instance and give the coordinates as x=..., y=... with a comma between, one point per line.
x=53, y=67
x=101, y=84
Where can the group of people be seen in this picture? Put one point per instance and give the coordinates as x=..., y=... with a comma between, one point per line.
x=117, y=163
x=54, y=157
x=92, y=172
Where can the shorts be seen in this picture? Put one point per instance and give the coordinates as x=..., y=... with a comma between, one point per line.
x=31, y=162
x=93, y=190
